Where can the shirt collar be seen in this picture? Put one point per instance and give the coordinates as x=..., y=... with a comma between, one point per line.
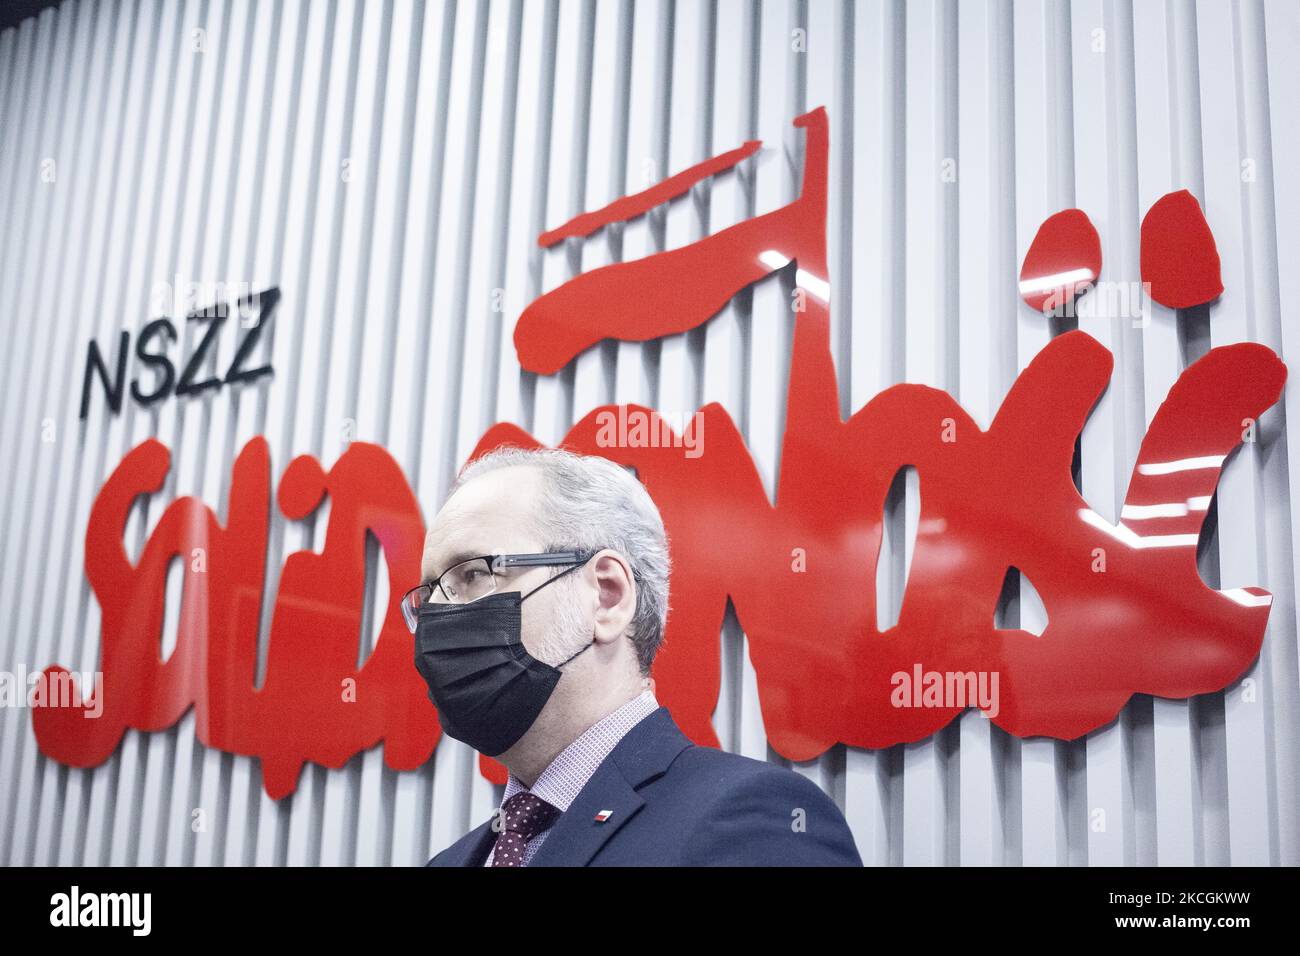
x=563, y=779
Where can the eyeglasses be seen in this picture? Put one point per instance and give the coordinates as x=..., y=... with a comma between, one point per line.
x=477, y=577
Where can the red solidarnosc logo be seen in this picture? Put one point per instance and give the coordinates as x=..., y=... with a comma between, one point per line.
x=1127, y=611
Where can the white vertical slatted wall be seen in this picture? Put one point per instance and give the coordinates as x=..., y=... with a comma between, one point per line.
x=389, y=164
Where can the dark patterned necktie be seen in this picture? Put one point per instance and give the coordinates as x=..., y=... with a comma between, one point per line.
x=524, y=816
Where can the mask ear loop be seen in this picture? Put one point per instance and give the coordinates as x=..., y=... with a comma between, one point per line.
x=562, y=663
x=542, y=585
x=551, y=581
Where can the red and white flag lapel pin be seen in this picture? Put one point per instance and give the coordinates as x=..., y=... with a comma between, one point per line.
x=604, y=815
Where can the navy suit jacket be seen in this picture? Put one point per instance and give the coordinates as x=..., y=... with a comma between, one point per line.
x=678, y=804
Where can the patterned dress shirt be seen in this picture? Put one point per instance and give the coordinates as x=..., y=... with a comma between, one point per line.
x=561, y=782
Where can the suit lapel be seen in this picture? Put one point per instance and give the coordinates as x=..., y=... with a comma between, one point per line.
x=643, y=754
x=577, y=835
x=471, y=849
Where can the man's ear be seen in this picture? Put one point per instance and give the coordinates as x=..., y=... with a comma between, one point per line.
x=611, y=576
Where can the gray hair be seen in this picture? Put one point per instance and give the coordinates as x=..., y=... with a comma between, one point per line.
x=589, y=503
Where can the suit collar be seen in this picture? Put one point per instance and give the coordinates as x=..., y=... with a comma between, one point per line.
x=643, y=754
x=474, y=847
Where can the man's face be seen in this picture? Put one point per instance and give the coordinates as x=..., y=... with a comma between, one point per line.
x=492, y=514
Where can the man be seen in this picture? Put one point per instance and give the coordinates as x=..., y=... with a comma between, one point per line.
x=537, y=558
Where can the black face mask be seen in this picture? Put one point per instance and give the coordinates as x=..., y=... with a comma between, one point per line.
x=488, y=689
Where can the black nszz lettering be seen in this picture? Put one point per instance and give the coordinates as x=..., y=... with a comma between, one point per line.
x=236, y=372
x=157, y=360
x=152, y=348
x=95, y=363
x=187, y=384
